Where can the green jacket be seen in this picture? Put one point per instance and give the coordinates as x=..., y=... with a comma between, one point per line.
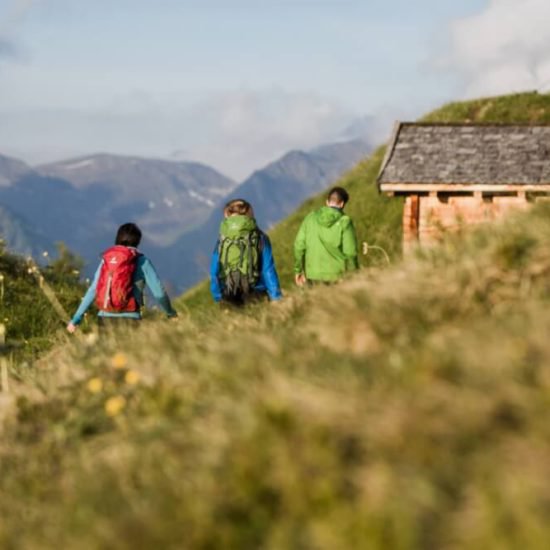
x=326, y=245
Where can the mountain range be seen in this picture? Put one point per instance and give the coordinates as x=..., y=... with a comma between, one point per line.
x=82, y=201
x=164, y=197
x=177, y=204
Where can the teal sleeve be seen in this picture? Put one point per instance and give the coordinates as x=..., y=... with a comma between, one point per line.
x=300, y=249
x=156, y=287
x=89, y=297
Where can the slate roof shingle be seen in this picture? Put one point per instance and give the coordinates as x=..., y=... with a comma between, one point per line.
x=425, y=153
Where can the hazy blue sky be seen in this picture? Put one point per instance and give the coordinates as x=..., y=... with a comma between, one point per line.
x=235, y=83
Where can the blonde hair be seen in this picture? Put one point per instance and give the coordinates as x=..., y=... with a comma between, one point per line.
x=238, y=207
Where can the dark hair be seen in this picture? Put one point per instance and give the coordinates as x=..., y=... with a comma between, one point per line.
x=128, y=234
x=237, y=206
x=339, y=194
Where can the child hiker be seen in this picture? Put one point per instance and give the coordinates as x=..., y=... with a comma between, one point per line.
x=119, y=281
x=242, y=267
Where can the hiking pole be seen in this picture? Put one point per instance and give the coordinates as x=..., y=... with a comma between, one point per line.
x=367, y=247
x=47, y=290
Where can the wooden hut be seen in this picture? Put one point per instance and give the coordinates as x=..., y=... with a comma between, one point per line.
x=457, y=174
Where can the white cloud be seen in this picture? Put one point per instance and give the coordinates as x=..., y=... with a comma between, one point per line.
x=10, y=19
x=504, y=48
x=7, y=48
x=236, y=132
x=244, y=130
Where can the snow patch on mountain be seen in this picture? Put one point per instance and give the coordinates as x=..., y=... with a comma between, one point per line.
x=78, y=165
x=200, y=198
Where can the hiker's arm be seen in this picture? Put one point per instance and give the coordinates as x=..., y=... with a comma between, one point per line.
x=300, y=249
x=349, y=247
x=269, y=272
x=87, y=300
x=215, y=287
x=153, y=282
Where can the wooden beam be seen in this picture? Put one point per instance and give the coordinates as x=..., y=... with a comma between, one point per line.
x=411, y=217
x=414, y=188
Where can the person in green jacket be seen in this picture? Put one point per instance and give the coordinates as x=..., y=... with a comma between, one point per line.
x=326, y=244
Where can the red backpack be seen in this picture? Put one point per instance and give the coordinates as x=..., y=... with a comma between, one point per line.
x=114, y=290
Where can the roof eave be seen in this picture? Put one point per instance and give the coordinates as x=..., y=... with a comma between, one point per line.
x=389, y=150
x=416, y=187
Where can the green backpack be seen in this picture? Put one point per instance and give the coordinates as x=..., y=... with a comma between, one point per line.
x=239, y=255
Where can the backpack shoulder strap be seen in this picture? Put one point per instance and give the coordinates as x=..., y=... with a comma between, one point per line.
x=262, y=239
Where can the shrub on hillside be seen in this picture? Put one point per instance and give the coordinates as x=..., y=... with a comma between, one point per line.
x=24, y=308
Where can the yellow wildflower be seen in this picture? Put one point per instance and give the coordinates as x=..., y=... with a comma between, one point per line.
x=115, y=405
x=132, y=377
x=91, y=338
x=95, y=385
x=119, y=360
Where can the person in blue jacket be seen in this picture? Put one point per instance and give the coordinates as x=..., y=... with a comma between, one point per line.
x=242, y=255
x=128, y=235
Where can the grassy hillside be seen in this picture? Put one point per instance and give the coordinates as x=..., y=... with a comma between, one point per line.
x=378, y=218
x=406, y=411
x=521, y=108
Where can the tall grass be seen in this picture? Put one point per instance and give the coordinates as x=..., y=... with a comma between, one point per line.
x=401, y=409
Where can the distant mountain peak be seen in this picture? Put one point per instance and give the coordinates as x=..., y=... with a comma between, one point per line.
x=78, y=198
x=11, y=169
x=358, y=144
x=87, y=168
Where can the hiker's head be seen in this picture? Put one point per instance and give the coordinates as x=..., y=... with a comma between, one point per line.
x=337, y=197
x=128, y=234
x=238, y=207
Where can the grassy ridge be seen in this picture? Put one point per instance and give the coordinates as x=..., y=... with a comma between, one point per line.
x=406, y=411
x=522, y=108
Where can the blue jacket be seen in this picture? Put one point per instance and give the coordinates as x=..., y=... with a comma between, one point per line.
x=269, y=280
x=145, y=274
